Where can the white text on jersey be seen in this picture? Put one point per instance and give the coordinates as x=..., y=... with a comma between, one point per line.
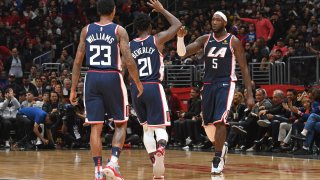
x=220, y=53
x=142, y=50
x=100, y=36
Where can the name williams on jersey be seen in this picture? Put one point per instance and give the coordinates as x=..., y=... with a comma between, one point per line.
x=100, y=36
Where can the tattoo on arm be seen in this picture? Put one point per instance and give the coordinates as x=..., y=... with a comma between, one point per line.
x=242, y=61
x=78, y=59
x=126, y=54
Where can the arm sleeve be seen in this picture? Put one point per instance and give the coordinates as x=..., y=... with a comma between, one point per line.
x=181, y=48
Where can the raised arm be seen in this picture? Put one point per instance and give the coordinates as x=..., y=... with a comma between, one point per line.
x=192, y=48
x=175, y=24
x=242, y=61
x=77, y=65
x=128, y=59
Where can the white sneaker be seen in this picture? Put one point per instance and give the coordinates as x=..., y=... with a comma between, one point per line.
x=7, y=144
x=38, y=141
x=217, y=165
x=188, y=141
x=158, y=165
x=112, y=171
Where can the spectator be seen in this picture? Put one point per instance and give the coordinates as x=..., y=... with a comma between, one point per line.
x=15, y=65
x=30, y=100
x=194, y=109
x=280, y=45
x=39, y=87
x=8, y=110
x=27, y=86
x=264, y=28
x=13, y=84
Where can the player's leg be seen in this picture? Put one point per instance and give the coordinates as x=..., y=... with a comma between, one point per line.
x=96, y=119
x=158, y=118
x=96, y=149
x=224, y=96
x=116, y=99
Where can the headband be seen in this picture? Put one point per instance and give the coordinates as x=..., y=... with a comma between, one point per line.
x=224, y=17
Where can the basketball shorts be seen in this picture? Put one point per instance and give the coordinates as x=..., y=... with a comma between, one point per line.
x=216, y=101
x=105, y=94
x=151, y=107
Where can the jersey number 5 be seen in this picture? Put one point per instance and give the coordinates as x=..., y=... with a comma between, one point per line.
x=98, y=49
x=146, y=63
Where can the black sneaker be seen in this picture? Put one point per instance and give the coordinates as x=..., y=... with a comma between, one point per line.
x=239, y=129
x=302, y=151
x=299, y=137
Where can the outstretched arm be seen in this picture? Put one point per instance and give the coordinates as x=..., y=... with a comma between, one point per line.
x=175, y=24
x=77, y=65
x=128, y=59
x=192, y=48
x=240, y=57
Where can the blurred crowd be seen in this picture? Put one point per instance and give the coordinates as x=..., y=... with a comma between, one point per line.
x=270, y=31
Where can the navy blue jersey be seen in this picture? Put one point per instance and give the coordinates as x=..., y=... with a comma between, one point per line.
x=102, y=48
x=219, y=59
x=149, y=60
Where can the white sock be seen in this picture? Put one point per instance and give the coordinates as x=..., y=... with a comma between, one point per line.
x=114, y=159
x=305, y=148
x=304, y=132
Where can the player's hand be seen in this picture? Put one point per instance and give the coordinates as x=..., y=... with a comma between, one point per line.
x=73, y=98
x=45, y=141
x=250, y=102
x=140, y=88
x=156, y=5
x=182, y=32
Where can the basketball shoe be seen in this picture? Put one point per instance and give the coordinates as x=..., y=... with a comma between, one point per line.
x=112, y=171
x=219, y=162
x=158, y=165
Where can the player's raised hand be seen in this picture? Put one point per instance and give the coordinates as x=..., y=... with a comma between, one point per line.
x=156, y=5
x=140, y=88
x=182, y=32
x=73, y=98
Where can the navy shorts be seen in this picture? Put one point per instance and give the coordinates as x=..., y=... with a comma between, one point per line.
x=105, y=94
x=216, y=101
x=151, y=107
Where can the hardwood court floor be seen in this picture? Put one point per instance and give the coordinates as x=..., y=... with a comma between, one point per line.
x=135, y=166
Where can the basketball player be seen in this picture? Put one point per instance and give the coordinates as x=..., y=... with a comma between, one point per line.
x=151, y=107
x=104, y=90
x=221, y=50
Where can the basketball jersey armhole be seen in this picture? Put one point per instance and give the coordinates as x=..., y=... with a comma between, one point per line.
x=206, y=43
x=87, y=29
x=230, y=44
x=116, y=30
x=155, y=43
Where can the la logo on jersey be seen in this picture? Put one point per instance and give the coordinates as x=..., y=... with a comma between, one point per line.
x=220, y=53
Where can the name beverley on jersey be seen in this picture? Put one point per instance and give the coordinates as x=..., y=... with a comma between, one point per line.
x=100, y=36
x=143, y=50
